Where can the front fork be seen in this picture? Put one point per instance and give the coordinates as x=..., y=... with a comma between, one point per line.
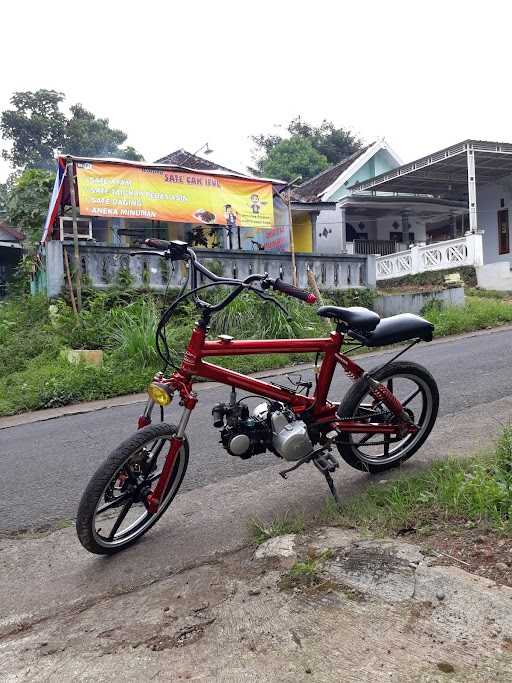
x=155, y=497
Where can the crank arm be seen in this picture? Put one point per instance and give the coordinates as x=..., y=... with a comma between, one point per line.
x=306, y=458
x=311, y=455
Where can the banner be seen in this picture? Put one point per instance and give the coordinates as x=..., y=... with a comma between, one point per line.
x=123, y=191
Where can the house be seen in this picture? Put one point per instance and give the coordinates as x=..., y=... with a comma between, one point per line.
x=471, y=184
x=332, y=224
x=10, y=253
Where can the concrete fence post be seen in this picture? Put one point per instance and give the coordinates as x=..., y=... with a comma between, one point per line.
x=416, y=266
x=371, y=271
x=54, y=268
x=475, y=246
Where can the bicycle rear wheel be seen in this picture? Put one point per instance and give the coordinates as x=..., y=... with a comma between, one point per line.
x=112, y=514
x=416, y=389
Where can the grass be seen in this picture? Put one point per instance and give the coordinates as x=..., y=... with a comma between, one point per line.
x=463, y=492
x=311, y=565
x=280, y=526
x=487, y=293
x=476, y=314
x=476, y=490
x=121, y=322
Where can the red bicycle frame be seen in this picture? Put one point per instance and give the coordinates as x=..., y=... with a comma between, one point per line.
x=320, y=411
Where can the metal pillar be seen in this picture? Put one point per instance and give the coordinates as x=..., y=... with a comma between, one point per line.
x=343, y=228
x=453, y=224
x=405, y=228
x=473, y=217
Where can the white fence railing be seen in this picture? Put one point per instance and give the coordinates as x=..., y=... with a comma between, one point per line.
x=463, y=251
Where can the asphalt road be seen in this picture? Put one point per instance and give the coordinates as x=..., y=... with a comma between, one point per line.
x=46, y=465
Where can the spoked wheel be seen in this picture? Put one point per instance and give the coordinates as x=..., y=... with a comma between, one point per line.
x=417, y=391
x=112, y=513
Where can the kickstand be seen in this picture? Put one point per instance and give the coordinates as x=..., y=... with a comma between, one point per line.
x=332, y=488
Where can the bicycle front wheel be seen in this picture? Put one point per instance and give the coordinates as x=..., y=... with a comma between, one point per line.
x=112, y=514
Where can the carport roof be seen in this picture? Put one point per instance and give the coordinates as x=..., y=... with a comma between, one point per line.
x=444, y=173
x=426, y=208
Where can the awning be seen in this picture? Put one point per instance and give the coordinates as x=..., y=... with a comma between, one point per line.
x=445, y=173
x=425, y=208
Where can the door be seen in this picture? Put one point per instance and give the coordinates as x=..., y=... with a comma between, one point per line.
x=503, y=232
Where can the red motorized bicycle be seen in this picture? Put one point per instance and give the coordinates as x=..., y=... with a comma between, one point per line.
x=383, y=419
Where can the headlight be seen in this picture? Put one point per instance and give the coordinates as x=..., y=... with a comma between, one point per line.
x=158, y=393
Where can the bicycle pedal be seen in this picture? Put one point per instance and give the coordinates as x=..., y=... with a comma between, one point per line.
x=326, y=463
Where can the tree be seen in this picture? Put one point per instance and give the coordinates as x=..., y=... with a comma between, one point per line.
x=334, y=144
x=35, y=126
x=86, y=135
x=292, y=157
x=27, y=203
x=4, y=193
x=38, y=129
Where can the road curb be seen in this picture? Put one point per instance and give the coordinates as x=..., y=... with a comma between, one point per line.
x=130, y=399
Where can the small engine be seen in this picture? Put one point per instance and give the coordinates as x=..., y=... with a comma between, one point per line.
x=270, y=426
x=241, y=434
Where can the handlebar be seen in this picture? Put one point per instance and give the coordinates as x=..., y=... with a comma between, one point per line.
x=280, y=286
x=159, y=244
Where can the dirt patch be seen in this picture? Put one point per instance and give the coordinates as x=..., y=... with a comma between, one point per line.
x=475, y=549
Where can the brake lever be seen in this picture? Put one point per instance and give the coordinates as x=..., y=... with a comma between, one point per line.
x=267, y=297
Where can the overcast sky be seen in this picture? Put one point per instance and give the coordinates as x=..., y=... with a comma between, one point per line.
x=177, y=74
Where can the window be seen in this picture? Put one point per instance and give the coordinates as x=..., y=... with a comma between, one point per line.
x=503, y=232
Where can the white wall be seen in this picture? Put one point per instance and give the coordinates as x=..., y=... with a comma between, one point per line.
x=495, y=276
x=385, y=226
x=330, y=223
x=488, y=204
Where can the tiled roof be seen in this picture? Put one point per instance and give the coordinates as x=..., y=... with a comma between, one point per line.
x=15, y=234
x=313, y=188
x=183, y=158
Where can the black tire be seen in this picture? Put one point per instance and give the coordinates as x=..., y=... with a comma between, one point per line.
x=351, y=407
x=104, y=478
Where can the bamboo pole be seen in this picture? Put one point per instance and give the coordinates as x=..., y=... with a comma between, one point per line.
x=74, y=214
x=314, y=286
x=70, y=284
x=292, y=242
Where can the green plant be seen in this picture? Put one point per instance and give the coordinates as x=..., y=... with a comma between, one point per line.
x=124, y=279
x=467, y=274
x=476, y=314
x=27, y=203
x=310, y=566
x=248, y=316
x=279, y=526
x=133, y=333
x=215, y=265
x=477, y=489
x=359, y=296
x=487, y=293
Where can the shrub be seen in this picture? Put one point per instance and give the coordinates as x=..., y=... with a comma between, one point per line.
x=133, y=332
x=350, y=297
x=467, y=274
x=477, y=489
x=476, y=314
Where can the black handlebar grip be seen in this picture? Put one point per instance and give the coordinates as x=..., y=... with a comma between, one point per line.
x=290, y=290
x=157, y=244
